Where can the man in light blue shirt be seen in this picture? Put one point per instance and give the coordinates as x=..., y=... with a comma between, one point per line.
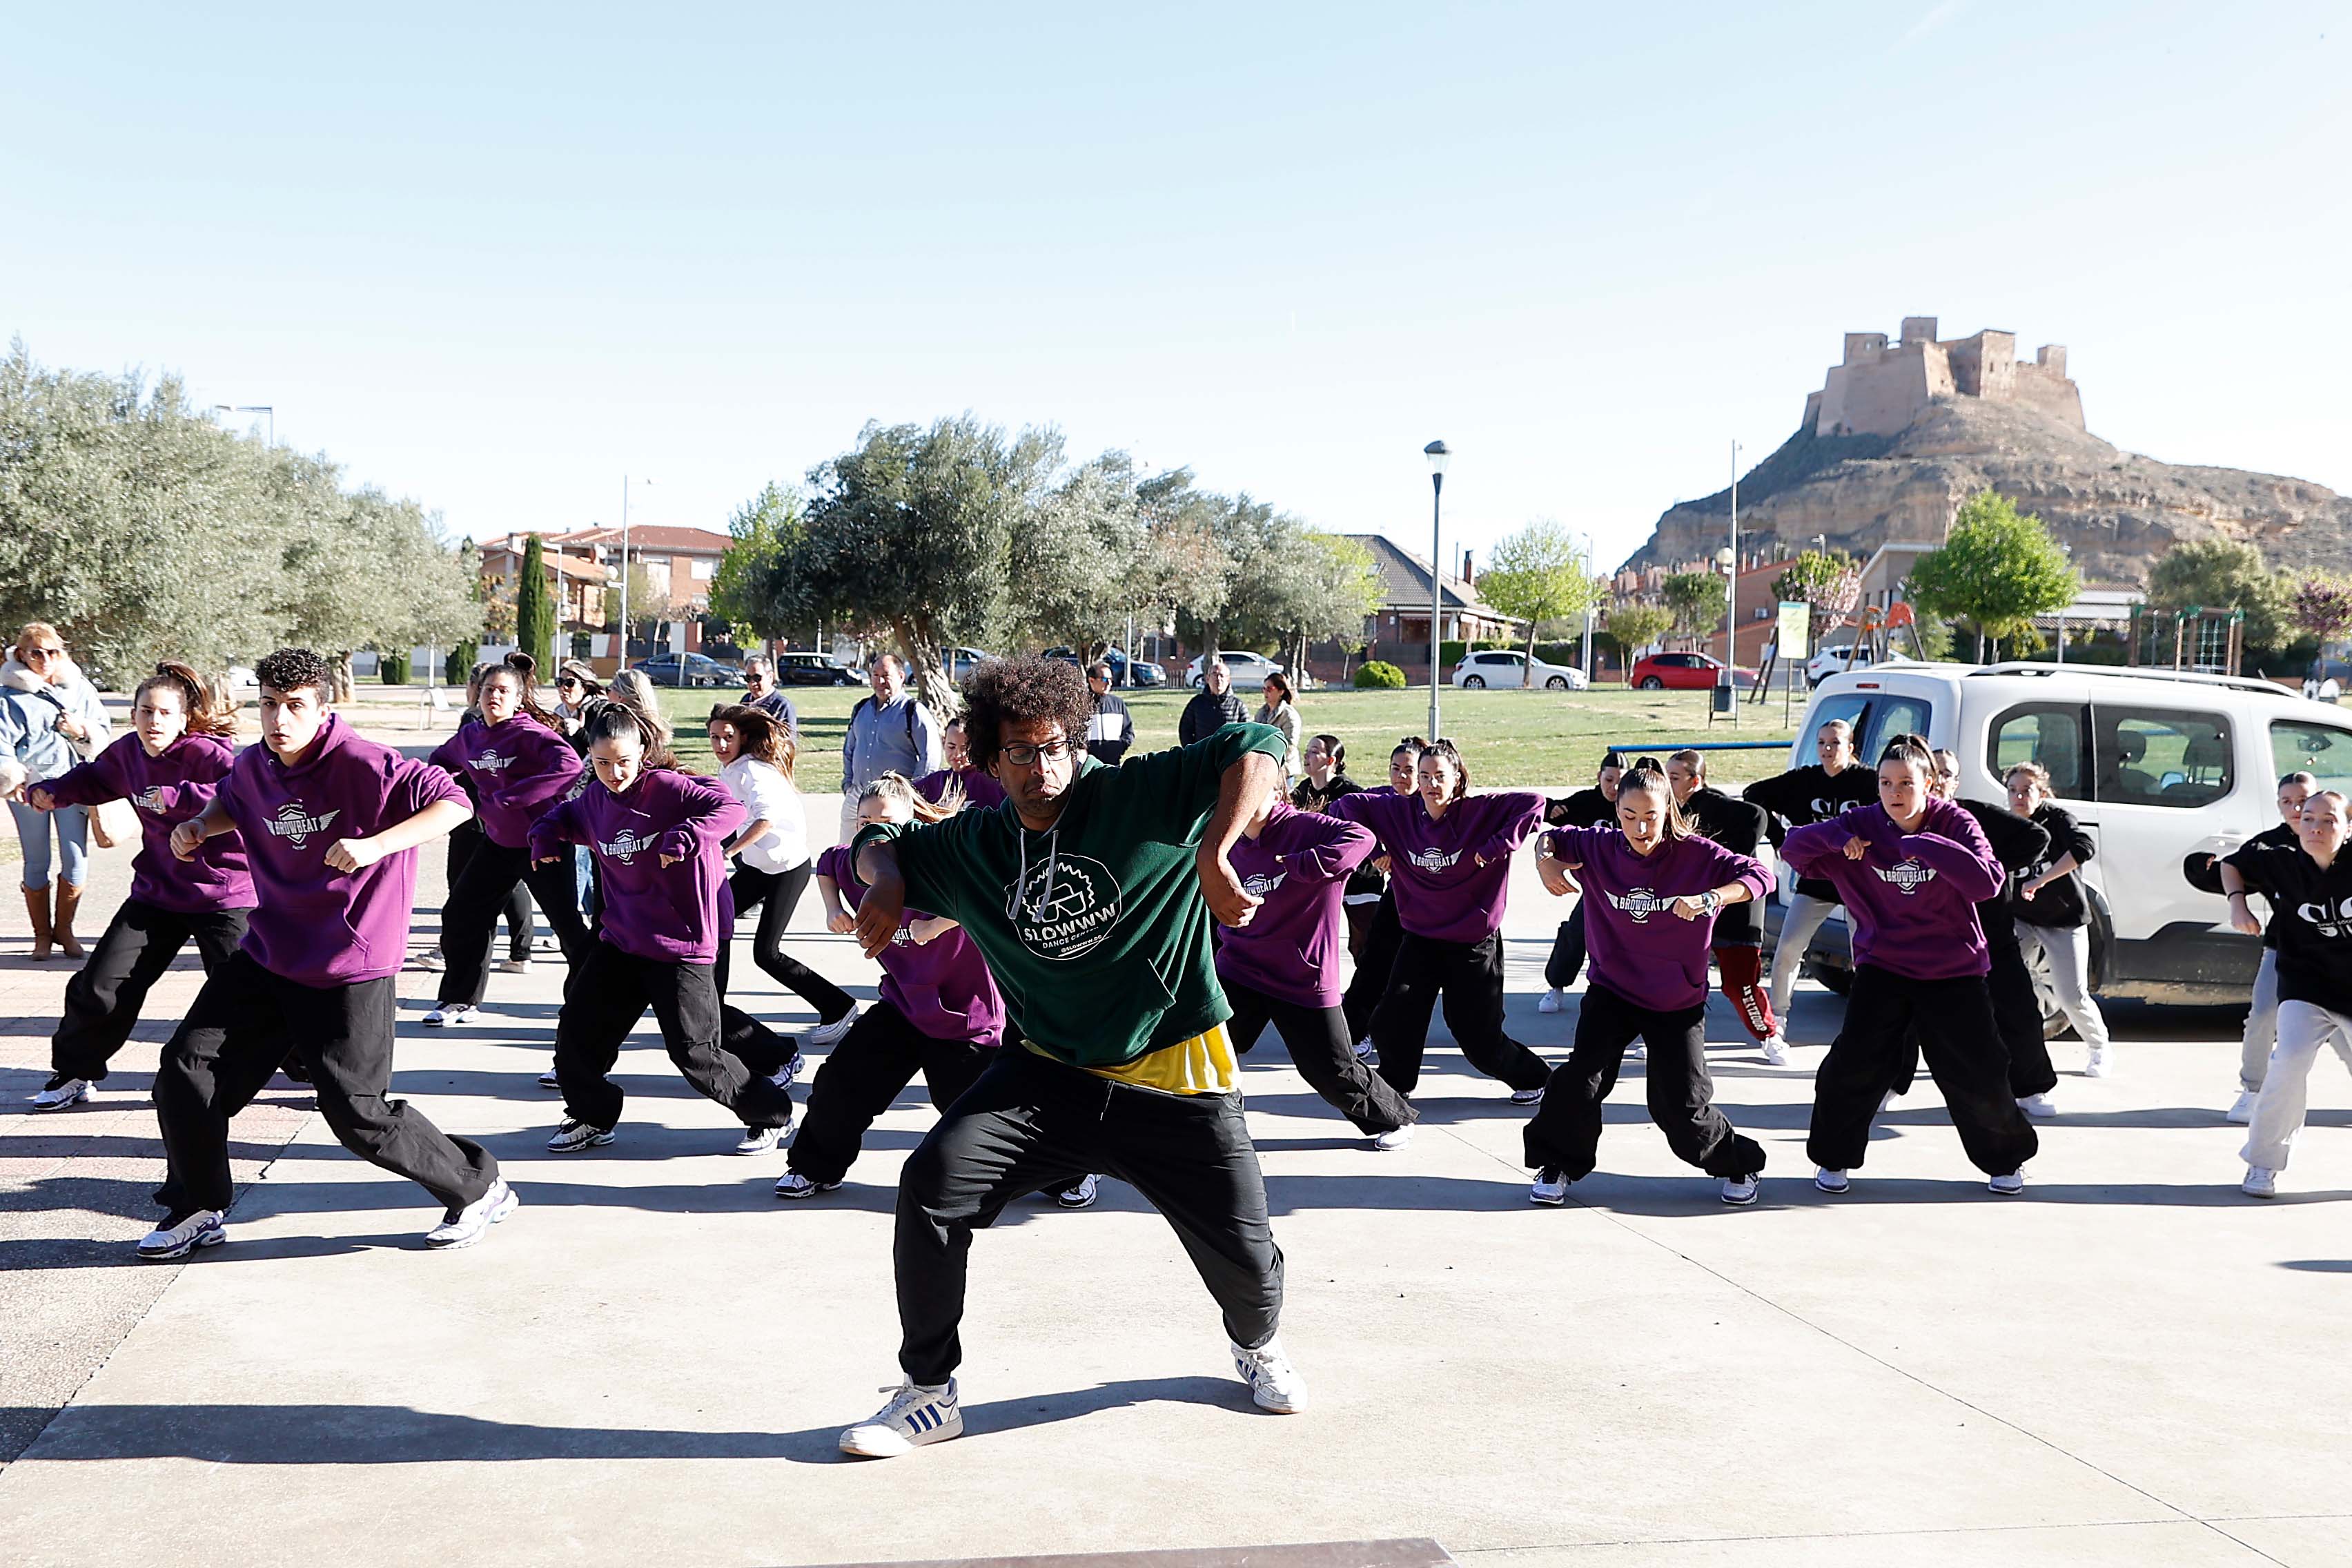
x=888, y=732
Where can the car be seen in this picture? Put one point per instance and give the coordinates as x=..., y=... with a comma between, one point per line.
x=1836, y=660
x=959, y=662
x=811, y=670
x=1683, y=672
x=1501, y=667
x=2160, y=769
x=698, y=669
x=1123, y=672
x=1246, y=669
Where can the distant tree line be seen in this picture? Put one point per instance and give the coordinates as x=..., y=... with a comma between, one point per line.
x=141, y=529
x=961, y=533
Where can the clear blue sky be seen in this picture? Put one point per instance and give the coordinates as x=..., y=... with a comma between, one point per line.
x=496, y=260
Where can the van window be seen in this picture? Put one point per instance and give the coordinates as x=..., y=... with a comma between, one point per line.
x=2050, y=733
x=1846, y=705
x=2161, y=756
x=2319, y=750
x=1890, y=716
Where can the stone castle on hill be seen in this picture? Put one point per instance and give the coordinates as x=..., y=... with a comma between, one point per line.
x=1902, y=433
x=1880, y=389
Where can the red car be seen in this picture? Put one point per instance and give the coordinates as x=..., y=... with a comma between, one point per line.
x=1683, y=672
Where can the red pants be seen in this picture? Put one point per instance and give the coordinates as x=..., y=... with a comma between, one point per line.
x=1742, y=969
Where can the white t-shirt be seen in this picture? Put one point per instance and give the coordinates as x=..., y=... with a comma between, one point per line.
x=766, y=792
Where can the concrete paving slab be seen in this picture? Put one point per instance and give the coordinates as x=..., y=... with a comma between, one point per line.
x=653, y=1358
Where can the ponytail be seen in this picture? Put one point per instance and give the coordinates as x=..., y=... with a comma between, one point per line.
x=613, y=721
x=525, y=670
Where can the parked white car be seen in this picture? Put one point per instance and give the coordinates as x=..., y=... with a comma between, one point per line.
x=1248, y=669
x=1835, y=660
x=1508, y=670
x=2159, y=769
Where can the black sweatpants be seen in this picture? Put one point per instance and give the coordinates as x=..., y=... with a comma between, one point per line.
x=1567, y=959
x=1962, y=1044
x=103, y=999
x=2018, y=1013
x=874, y=1061
x=239, y=1028
x=462, y=841
x=607, y=995
x=1325, y=1055
x=1468, y=975
x=470, y=919
x=1566, y=1128
x=1374, y=960
x=776, y=894
x=1029, y=1125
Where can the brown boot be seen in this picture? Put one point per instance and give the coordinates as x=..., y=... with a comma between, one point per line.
x=36, y=904
x=68, y=902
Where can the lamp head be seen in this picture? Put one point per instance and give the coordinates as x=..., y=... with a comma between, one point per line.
x=1437, y=453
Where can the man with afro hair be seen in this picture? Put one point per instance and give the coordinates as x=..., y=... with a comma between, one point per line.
x=1090, y=894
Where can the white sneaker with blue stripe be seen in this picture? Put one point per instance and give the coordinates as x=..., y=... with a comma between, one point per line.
x=177, y=1239
x=1272, y=1382
x=915, y=1418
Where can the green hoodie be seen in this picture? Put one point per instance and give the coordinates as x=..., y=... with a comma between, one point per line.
x=1103, y=951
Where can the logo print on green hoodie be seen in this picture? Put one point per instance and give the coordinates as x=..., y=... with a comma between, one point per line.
x=1070, y=916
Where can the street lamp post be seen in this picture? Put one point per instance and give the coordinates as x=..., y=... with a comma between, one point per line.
x=1438, y=455
x=621, y=653
x=1731, y=594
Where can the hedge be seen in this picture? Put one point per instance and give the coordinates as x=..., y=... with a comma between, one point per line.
x=393, y=668
x=1379, y=677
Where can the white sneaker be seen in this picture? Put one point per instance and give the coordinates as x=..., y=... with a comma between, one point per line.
x=762, y=1140
x=1740, y=1191
x=202, y=1228
x=1552, y=1001
x=2037, y=1105
x=60, y=1092
x=2242, y=1110
x=1364, y=1049
x=1637, y=1052
x=1526, y=1096
x=1550, y=1186
x=465, y=1226
x=431, y=960
x=549, y=1080
x=1080, y=1196
x=789, y=1074
x=1272, y=1382
x=792, y=1185
x=825, y=1036
x=1886, y=1102
x=1394, y=1138
x=2261, y=1181
x=2009, y=1185
x=915, y=1418
x=2100, y=1064
x=1829, y=1181
x=451, y=1013
x=514, y=966
x=575, y=1136
x=1776, y=1051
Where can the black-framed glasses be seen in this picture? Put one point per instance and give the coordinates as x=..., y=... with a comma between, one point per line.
x=1028, y=756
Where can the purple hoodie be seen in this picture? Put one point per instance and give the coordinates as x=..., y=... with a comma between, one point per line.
x=981, y=791
x=517, y=769
x=668, y=914
x=1641, y=949
x=1298, y=864
x=941, y=986
x=166, y=791
x=314, y=925
x=1442, y=891
x=1913, y=898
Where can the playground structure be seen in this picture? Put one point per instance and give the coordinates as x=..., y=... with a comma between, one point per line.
x=2213, y=642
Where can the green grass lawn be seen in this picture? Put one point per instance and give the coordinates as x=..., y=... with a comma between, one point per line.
x=1510, y=738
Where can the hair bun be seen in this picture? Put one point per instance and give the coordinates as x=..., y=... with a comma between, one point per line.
x=522, y=662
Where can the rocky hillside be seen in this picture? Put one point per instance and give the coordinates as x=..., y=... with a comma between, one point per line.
x=2118, y=510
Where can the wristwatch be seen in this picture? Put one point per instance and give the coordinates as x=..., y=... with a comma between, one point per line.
x=1711, y=901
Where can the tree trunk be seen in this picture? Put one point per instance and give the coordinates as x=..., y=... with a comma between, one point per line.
x=341, y=666
x=1528, y=671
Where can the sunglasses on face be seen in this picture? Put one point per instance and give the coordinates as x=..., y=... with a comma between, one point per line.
x=44, y=652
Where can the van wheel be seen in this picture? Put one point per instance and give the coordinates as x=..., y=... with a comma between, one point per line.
x=1474, y=683
x=1651, y=683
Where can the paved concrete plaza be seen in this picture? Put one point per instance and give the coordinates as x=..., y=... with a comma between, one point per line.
x=2131, y=1364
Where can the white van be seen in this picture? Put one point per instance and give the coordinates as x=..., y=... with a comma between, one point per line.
x=2158, y=768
